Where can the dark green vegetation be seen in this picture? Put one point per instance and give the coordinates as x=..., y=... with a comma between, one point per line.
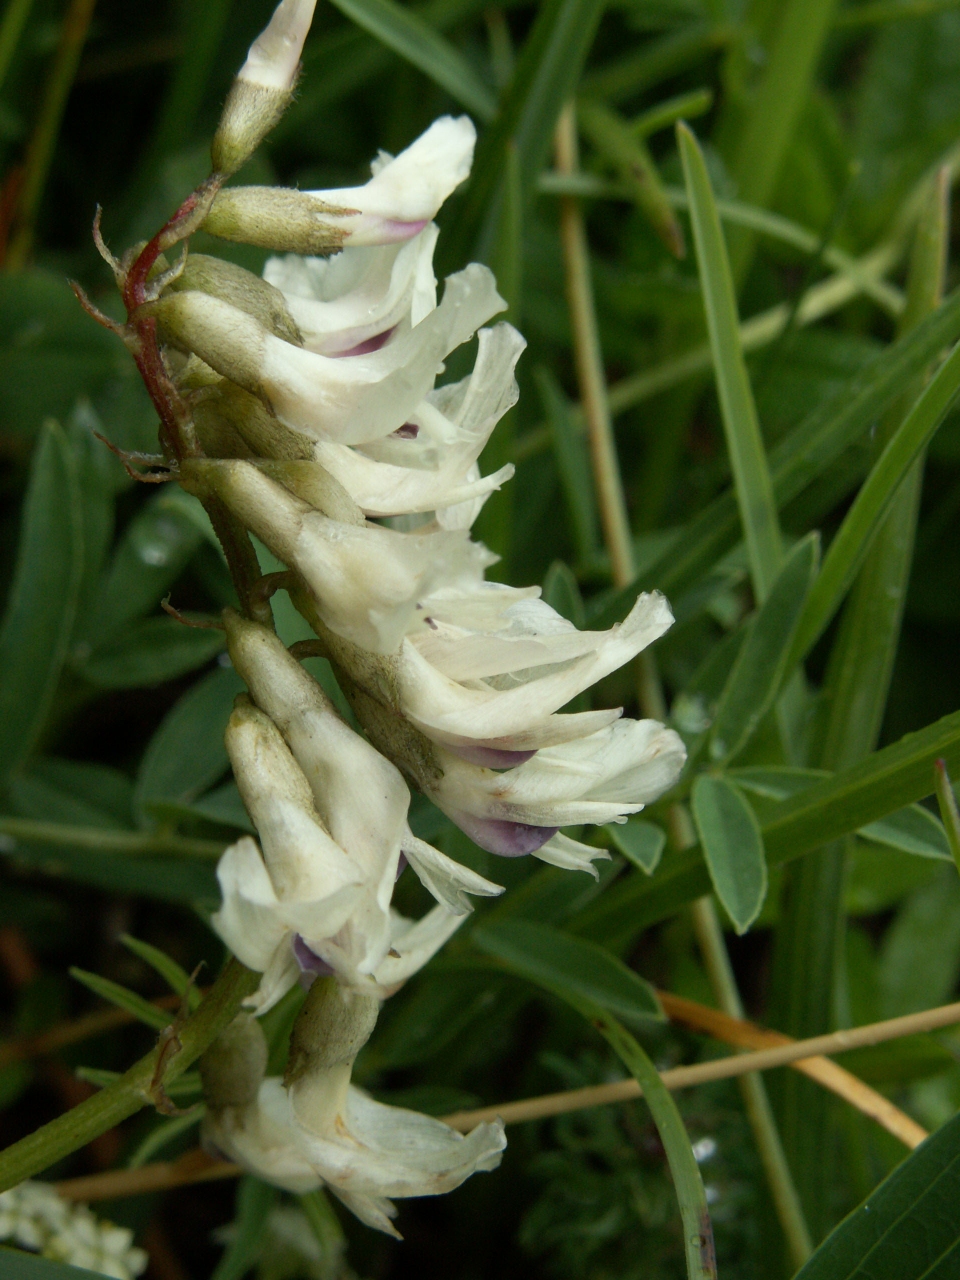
x=795, y=490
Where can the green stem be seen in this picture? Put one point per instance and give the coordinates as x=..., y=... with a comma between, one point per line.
x=759, y=1112
x=697, y=1229
x=11, y=29
x=70, y=1132
x=105, y=840
x=43, y=140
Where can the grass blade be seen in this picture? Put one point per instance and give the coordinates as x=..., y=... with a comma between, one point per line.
x=947, y=801
x=748, y=461
x=545, y=77
x=853, y=539
x=177, y=978
x=761, y=663
x=133, y=1004
x=35, y=632
x=408, y=35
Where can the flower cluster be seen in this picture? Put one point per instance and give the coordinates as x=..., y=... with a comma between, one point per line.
x=318, y=426
x=34, y=1217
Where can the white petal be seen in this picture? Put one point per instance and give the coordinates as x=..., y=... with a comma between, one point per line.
x=247, y=921
x=449, y=881
x=354, y=296
x=408, y=190
x=446, y=710
x=274, y=56
x=571, y=855
x=415, y=942
x=263, y=1139
x=365, y=396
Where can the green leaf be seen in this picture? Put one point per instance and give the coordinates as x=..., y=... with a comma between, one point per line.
x=255, y=1199
x=761, y=664
x=544, y=78
x=948, y=809
x=78, y=794
x=113, y=992
x=835, y=806
x=169, y=880
x=640, y=842
x=40, y=610
x=152, y=553
x=50, y=352
x=619, y=144
x=186, y=755
x=407, y=34
x=799, y=460
x=733, y=847
x=188, y=1084
x=570, y=967
x=748, y=460
x=912, y=830
x=150, y=651
x=561, y=591
x=16, y=1265
x=908, y=1228
x=852, y=542
x=573, y=465
x=919, y=957
x=168, y=969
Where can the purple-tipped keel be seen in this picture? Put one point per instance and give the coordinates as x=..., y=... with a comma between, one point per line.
x=491, y=757
x=496, y=835
x=369, y=344
x=311, y=965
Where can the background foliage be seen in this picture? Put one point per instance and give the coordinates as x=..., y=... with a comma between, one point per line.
x=822, y=128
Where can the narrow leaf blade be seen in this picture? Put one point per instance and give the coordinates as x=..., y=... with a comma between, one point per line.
x=113, y=992
x=570, y=967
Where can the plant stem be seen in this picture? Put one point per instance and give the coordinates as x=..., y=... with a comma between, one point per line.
x=135, y=1088
x=593, y=398
x=47, y=128
x=106, y=840
x=11, y=29
x=757, y=1104
x=697, y=1228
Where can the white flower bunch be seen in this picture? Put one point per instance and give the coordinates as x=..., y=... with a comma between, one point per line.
x=34, y=1217
x=319, y=427
x=314, y=1128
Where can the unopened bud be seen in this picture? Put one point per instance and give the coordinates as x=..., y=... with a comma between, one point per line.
x=242, y=289
x=279, y=219
x=249, y=416
x=331, y=1029
x=314, y=485
x=304, y=863
x=264, y=86
x=223, y=336
x=234, y=1066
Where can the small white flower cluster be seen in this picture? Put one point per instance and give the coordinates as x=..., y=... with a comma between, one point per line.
x=313, y=393
x=34, y=1217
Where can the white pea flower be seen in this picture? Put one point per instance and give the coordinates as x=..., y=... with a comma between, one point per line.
x=350, y=399
x=406, y=191
x=430, y=463
x=485, y=670
x=367, y=580
x=598, y=779
x=34, y=1217
x=331, y=814
x=317, y=1129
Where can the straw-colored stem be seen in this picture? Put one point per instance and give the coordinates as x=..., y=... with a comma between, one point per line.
x=759, y=1112
x=793, y=1051
x=594, y=403
x=803, y=1055
x=46, y=130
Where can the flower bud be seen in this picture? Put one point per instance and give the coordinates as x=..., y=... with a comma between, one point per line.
x=223, y=336
x=278, y=218
x=264, y=86
x=331, y=1029
x=242, y=289
x=265, y=435
x=304, y=863
x=234, y=1066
